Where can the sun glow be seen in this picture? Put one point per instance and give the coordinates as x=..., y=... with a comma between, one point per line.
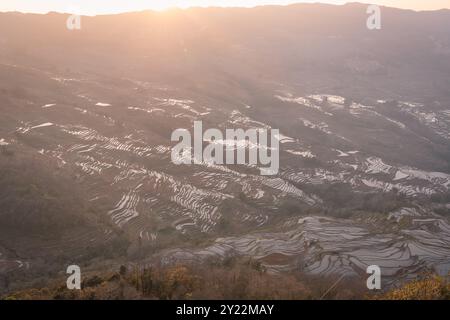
x=164, y=5
x=94, y=7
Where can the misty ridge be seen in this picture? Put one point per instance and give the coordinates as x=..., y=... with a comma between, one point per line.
x=301, y=43
x=362, y=122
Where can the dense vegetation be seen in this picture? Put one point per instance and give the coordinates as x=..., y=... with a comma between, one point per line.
x=231, y=279
x=430, y=288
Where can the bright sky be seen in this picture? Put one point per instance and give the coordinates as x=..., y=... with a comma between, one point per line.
x=92, y=7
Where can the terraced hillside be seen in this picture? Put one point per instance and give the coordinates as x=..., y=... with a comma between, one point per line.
x=86, y=171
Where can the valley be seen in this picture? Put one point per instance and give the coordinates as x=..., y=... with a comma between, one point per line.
x=85, y=148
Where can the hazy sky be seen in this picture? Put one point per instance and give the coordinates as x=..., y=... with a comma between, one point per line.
x=113, y=6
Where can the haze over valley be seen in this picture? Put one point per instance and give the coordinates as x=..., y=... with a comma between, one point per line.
x=86, y=175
